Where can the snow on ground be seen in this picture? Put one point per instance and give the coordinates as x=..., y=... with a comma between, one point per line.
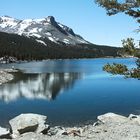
x=42, y=42
x=34, y=30
x=36, y=35
x=50, y=38
x=8, y=21
x=48, y=33
x=66, y=41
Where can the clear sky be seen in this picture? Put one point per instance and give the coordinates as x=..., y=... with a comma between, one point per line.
x=83, y=16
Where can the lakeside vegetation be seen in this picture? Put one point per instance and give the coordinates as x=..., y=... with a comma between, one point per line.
x=129, y=49
x=130, y=8
x=115, y=68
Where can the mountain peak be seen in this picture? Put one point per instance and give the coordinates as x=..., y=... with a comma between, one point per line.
x=51, y=19
x=40, y=28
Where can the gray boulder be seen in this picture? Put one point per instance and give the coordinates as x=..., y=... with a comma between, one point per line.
x=28, y=123
x=109, y=118
x=4, y=133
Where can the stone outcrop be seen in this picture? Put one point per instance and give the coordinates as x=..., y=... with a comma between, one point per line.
x=28, y=123
x=111, y=118
x=4, y=133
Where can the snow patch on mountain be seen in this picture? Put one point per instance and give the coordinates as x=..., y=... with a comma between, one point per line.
x=41, y=28
x=42, y=42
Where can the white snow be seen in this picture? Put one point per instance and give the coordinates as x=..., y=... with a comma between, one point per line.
x=42, y=42
x=61, y=25
x=23, y=26
x=50, y=38
x=48, y=33
x=3, y=25
x=34, y=30
x=66, y=41
x=36, y=35
x=40, y=29
x=8, y=21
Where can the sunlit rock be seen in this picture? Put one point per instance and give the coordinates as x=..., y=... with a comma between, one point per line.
x=28, y=123
x=4, y=133
x=111, y=118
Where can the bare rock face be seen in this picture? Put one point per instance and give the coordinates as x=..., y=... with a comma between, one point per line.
x=4, y=133
x=28, y=123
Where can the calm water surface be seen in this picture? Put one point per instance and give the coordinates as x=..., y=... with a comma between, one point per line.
x=69, y=92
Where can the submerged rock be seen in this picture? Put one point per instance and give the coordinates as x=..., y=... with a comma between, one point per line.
x=28, y=123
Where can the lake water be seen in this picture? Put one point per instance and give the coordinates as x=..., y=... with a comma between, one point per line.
x=69, y=92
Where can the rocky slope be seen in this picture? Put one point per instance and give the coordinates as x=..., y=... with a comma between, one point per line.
x=40, y=29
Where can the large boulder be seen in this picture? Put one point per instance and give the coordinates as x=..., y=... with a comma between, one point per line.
x=135, y=118
x=4, y=133
x=28, y=123
x=109, y=118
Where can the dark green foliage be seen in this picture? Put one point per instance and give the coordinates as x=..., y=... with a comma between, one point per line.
x=115, y=68
x=134, y=73
x=129, y=7
x=138, y=63
x=128, y=46
x=123, y=70
x=24, y=48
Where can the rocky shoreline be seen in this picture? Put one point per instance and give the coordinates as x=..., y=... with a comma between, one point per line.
x=109, y=126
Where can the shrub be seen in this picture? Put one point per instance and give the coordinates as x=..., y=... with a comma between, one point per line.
x=138, y=63
x=123, y=70
x=134, y=73
x=115, y=68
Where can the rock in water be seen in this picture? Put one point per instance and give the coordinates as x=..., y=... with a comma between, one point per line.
x=4, y=133
x=28, y=123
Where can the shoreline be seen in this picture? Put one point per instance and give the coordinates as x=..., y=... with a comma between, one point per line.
x=109, y=126
x=28, y=61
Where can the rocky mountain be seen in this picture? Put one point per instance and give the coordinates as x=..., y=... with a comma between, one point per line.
x=40, y=29
x=38, y=39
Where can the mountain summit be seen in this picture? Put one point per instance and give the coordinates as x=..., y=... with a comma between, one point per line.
x=41, y=29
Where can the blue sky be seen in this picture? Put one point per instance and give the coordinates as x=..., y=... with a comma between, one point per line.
x=83, y=16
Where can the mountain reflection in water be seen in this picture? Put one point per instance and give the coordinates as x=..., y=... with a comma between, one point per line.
x=37, y=86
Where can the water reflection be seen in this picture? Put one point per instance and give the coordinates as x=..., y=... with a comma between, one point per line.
x=37, y=86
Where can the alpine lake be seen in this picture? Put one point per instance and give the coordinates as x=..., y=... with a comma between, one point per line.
x=69, y=92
